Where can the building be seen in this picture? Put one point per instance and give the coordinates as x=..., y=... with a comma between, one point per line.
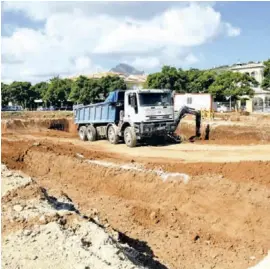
x=131, y=80
x=253, y=69
x=198, y=101
x=261, y=99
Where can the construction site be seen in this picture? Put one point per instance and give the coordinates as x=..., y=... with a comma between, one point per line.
x=201, y=203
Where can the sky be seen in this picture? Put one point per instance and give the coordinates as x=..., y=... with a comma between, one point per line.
x=45, y=39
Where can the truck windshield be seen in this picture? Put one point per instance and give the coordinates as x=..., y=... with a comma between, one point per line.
x=155, y=99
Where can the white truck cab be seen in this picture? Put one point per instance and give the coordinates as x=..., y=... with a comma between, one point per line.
x=149, y=112
x=148, y=105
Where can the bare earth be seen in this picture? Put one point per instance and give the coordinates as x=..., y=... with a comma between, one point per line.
x=193, y=205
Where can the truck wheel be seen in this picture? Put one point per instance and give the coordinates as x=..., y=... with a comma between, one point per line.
x=112, y=136
x=82, y=133
x=91, y=133
x=130, y=137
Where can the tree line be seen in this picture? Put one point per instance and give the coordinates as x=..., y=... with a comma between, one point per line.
x=60, y=92
x=85, y=90
x=219, y=84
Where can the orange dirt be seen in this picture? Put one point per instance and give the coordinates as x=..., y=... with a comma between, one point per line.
x=227, y=134
x=218, y=219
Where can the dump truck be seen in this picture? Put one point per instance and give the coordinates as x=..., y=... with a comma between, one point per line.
x=133, y=116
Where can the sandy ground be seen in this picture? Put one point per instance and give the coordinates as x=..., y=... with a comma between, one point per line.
x=193, y=205
x=42, y=231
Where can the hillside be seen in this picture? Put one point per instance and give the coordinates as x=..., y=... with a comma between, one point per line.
x=126, y=69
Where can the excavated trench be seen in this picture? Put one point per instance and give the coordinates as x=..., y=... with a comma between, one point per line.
x=213, y=220
x=211, y=132
x=61, y=124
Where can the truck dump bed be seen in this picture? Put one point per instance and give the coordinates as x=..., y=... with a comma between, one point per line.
x=101, y=113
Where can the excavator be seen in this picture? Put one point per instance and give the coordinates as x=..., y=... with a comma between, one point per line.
x=184, y=111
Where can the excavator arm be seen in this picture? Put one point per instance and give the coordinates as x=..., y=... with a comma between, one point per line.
x=188, y=110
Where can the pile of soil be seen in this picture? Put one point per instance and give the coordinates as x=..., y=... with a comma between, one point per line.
x=42, y=231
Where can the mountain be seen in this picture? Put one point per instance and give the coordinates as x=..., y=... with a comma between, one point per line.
x=126, y=69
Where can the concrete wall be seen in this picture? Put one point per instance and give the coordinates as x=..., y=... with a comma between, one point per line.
x=197, y=100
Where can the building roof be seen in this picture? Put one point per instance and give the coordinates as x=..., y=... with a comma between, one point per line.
x=259, y=90
x=238, y=66
x=130, y=78
x=247, y=66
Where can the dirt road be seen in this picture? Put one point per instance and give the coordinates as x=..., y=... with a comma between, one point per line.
x=195, y=205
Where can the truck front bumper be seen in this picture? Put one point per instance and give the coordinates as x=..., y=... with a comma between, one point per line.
x=155, y=128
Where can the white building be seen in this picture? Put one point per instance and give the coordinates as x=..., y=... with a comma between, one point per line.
x=198, y=101
x=253, y=69
x=261, y=99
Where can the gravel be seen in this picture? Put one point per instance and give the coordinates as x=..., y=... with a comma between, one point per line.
x=50, y=242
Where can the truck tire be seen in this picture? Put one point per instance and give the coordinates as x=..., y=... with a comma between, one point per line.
x=82, y=133
x=91, y=133
x=112, y=136
x=130, y=137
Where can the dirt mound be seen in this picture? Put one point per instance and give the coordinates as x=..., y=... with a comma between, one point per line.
x=217, y=219
x=217, y=133
x=36, y=114
x=34, y=125
x=40, y=230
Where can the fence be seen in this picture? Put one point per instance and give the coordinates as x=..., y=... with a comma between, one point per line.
x=224, y=106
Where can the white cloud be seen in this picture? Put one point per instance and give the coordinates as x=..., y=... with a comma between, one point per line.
x=191, y=59
x=82, y=63
x=73, y=42
x=146, y=63
x=232, y=31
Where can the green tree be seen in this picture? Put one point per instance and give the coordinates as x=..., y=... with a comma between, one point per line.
x=199, y=81
x=40, y=89
x=232, y=84
x=5, y=94
x=20, y=92
x=58, y=91
x=85, y=90
x=168, y=78
x=266, y=74
x=111, y=83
